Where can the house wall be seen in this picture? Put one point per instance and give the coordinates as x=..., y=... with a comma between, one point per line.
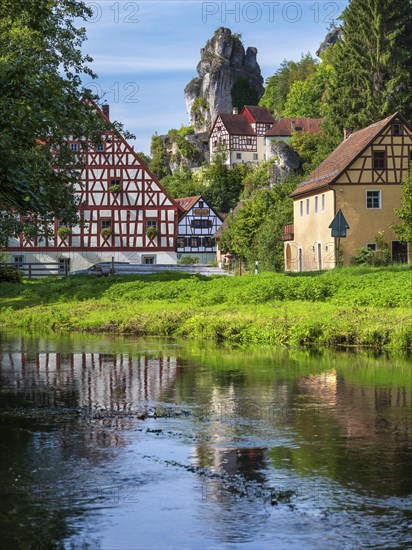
x=203, y=237
x=312, y=235
x=348, y=193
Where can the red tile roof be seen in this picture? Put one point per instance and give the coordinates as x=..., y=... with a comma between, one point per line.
x=257, y=113
x=343, y=156
x=237, y=125
x=285, y=126
x=188, y=202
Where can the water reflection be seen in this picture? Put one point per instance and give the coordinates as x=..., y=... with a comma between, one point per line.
x=248, y=446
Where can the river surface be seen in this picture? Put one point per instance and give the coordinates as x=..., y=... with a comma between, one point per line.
x=113, y=443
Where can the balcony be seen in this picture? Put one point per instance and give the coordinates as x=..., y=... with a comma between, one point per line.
x=288, y=232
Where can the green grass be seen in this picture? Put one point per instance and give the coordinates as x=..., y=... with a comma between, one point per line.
x=347, y=307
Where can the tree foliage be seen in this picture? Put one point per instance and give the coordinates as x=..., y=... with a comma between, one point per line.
x=41, y=63
x=159, y=162
x=404, y=230
x=372, y=64
x=254, y=230
x=244, y=93
x=278, y=86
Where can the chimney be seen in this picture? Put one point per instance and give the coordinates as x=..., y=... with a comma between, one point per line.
x=347, y=132
x=106, y=110
x=235, y=111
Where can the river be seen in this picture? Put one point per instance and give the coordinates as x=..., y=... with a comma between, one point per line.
x=122, y=443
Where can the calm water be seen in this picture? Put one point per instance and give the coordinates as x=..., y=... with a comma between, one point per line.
x=131, y=444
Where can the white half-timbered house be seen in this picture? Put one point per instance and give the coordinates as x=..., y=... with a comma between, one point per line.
x=125, y=214
x=241, y=136
x=198, y=224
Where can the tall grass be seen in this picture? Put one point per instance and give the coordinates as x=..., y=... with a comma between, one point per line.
x=347, y=307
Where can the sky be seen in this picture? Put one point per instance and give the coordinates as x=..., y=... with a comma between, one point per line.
x=146, y=51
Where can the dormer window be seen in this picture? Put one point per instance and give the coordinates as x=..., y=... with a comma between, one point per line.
x=396, y=129
x=74, y=147
x=100, y=148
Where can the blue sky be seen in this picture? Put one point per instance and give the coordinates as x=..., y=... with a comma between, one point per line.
x=146, y=51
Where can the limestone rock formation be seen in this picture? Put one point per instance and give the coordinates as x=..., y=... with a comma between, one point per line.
x=332, y=37
x=223, y=62
x=287, y=162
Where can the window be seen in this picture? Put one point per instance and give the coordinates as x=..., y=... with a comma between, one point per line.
x=396, y=129
x=18, y=261
x=100, y=148
x=151, y=223
x=201, y=204
x=148, y=260
x=201, y=224
x=373, y=199
x=180, y=242
x=379, y=160
x=323, y=202
x=307, y=206
x=194, y=242
x=238, y=156
x=208, y=242
x=371, y=246
x=114, y=182
x=255, y=156
x=74, y=146
x=105, y=223
x=316, y=204
x=301, y=208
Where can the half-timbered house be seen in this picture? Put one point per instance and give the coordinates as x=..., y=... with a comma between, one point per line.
x=283, y=129
x=362, y=177
x=125, y=213
x=197, y=226
x=241, y=136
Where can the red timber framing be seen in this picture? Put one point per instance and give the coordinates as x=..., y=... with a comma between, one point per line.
x=137, y=202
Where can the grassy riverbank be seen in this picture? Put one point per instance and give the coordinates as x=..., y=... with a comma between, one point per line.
x=350, y=307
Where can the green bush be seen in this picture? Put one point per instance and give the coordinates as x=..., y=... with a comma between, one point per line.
x=10, y=274
x=188, y=260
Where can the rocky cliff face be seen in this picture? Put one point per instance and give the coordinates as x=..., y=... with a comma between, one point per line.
x=333, y=36
x=223, y=62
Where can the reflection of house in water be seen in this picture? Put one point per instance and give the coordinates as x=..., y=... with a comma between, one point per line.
x=105, y=381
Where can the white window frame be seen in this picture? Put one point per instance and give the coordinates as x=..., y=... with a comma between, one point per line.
x=380, y=199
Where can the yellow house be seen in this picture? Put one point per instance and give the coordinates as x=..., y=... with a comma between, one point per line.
x=362, y=177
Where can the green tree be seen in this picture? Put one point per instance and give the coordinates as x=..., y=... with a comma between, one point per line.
x=254, y=230
x=372, y=64
x=222, y=186
x=278, y=86
x=41, y=63
x=404, y=230
x=243, y=93
x=181, y=184
x=159, y=163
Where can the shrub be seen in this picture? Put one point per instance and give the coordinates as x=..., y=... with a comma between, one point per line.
x=187, y=260
x=10, y=274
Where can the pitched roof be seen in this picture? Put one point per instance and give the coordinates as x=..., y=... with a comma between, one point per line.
x=188, y=202
x=237, y=125
x=258, y=114
x=343, y=156
x=285, y=126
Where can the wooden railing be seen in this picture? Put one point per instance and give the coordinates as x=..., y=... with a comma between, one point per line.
x=32, y=270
